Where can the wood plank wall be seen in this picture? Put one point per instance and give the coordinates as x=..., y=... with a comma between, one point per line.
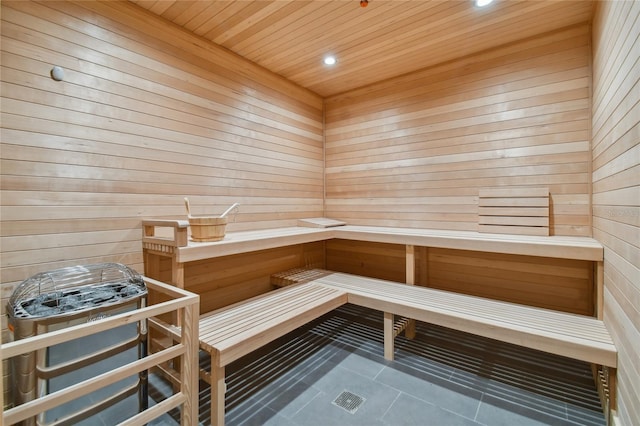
x=147, y=114
x=414, y=151
x=616, y=186
x=560, y=284
x=222, y=281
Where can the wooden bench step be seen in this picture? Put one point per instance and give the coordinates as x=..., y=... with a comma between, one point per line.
x=296, y=276
x=575, y=336
x=236, y=330
x=239, y=329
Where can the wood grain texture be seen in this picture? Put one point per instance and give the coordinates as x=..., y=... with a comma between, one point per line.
x=560, y=284
x=414, y=151
x=512, y=210
x=577, y=336
x=146, y=115
x=616, y=186
x=221, y=281
x=386, y=39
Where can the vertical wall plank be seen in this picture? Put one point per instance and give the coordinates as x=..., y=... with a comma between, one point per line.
x=414, y=151
x=616, y=185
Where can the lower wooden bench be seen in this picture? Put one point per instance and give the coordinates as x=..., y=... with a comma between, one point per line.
x=574, y=336
x=236, y=330
x=570, y=335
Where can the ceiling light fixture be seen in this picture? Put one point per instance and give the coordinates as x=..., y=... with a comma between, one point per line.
x=482, y=3
x=330, y=60
x=364, y=3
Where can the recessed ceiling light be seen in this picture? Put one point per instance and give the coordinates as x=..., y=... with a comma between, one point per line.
x=329, y=60
x=482, y=3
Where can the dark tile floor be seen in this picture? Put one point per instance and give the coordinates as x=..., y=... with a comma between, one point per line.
x=442, y=377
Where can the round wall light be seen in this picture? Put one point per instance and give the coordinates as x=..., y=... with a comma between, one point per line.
x=57, y=73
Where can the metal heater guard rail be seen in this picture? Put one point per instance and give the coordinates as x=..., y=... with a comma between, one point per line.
x=187, y=306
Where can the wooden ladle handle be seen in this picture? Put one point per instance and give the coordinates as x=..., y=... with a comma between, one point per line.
x=186, y=204
x=226, y=212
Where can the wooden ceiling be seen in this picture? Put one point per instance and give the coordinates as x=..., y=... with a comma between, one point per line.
x=386, y=39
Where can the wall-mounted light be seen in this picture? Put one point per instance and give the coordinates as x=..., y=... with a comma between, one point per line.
x=329, y=60
x=57, y=73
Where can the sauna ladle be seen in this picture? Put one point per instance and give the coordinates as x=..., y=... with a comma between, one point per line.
x=186, y=204
x=227, y=211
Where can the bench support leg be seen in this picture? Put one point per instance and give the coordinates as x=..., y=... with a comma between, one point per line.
x=388, y=336
x=218, y=389
x=410, y=259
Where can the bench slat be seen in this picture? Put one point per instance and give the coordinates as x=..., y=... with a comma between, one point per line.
x=539, y=318
x=253, y=307
x=235, y=331
x=219, y=333
x=571, y=335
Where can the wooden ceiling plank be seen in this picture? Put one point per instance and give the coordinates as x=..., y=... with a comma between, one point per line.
x=392, y=61
x=557, y=44
x=250, y=22
x=215, y=12
x=307, y=26
x=413, y=41
x=385, y=40
x=268, y=32
x=353, y=30
x=161, y=6
x=227, y=22
x=177, y=9
x=195, y=8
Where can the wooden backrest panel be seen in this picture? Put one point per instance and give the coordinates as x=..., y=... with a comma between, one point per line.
x=523, y=211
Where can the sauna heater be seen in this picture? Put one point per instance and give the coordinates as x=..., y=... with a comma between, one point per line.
x=65, y=297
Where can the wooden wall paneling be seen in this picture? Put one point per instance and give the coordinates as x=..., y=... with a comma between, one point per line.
x=549, y=283
x=616, y=186
x=375, y=260
x=464, y=75
x=414, y=151
x=565, y=285
x=146, y=115
x=229, y=279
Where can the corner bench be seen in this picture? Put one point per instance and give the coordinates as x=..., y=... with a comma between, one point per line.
x=570, y=335
x=231, y=332
x=236, y=330
x=574, y=336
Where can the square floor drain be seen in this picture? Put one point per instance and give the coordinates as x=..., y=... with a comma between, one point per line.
x=348, y=401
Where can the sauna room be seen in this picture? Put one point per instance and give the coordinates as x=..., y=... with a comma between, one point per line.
x=319, y=212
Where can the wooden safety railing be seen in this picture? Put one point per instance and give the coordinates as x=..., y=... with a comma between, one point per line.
x=183, y=304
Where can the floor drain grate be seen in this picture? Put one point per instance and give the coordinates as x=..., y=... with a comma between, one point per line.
x=349, y=401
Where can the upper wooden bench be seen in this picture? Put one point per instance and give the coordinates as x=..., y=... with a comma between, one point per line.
x=565, y=247
x=181, y=250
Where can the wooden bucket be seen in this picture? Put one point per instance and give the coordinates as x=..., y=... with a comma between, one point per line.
x=207, y=228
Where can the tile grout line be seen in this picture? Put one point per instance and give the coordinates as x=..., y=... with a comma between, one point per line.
x=320, y=392
x=391, y=405
x=475, y=417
